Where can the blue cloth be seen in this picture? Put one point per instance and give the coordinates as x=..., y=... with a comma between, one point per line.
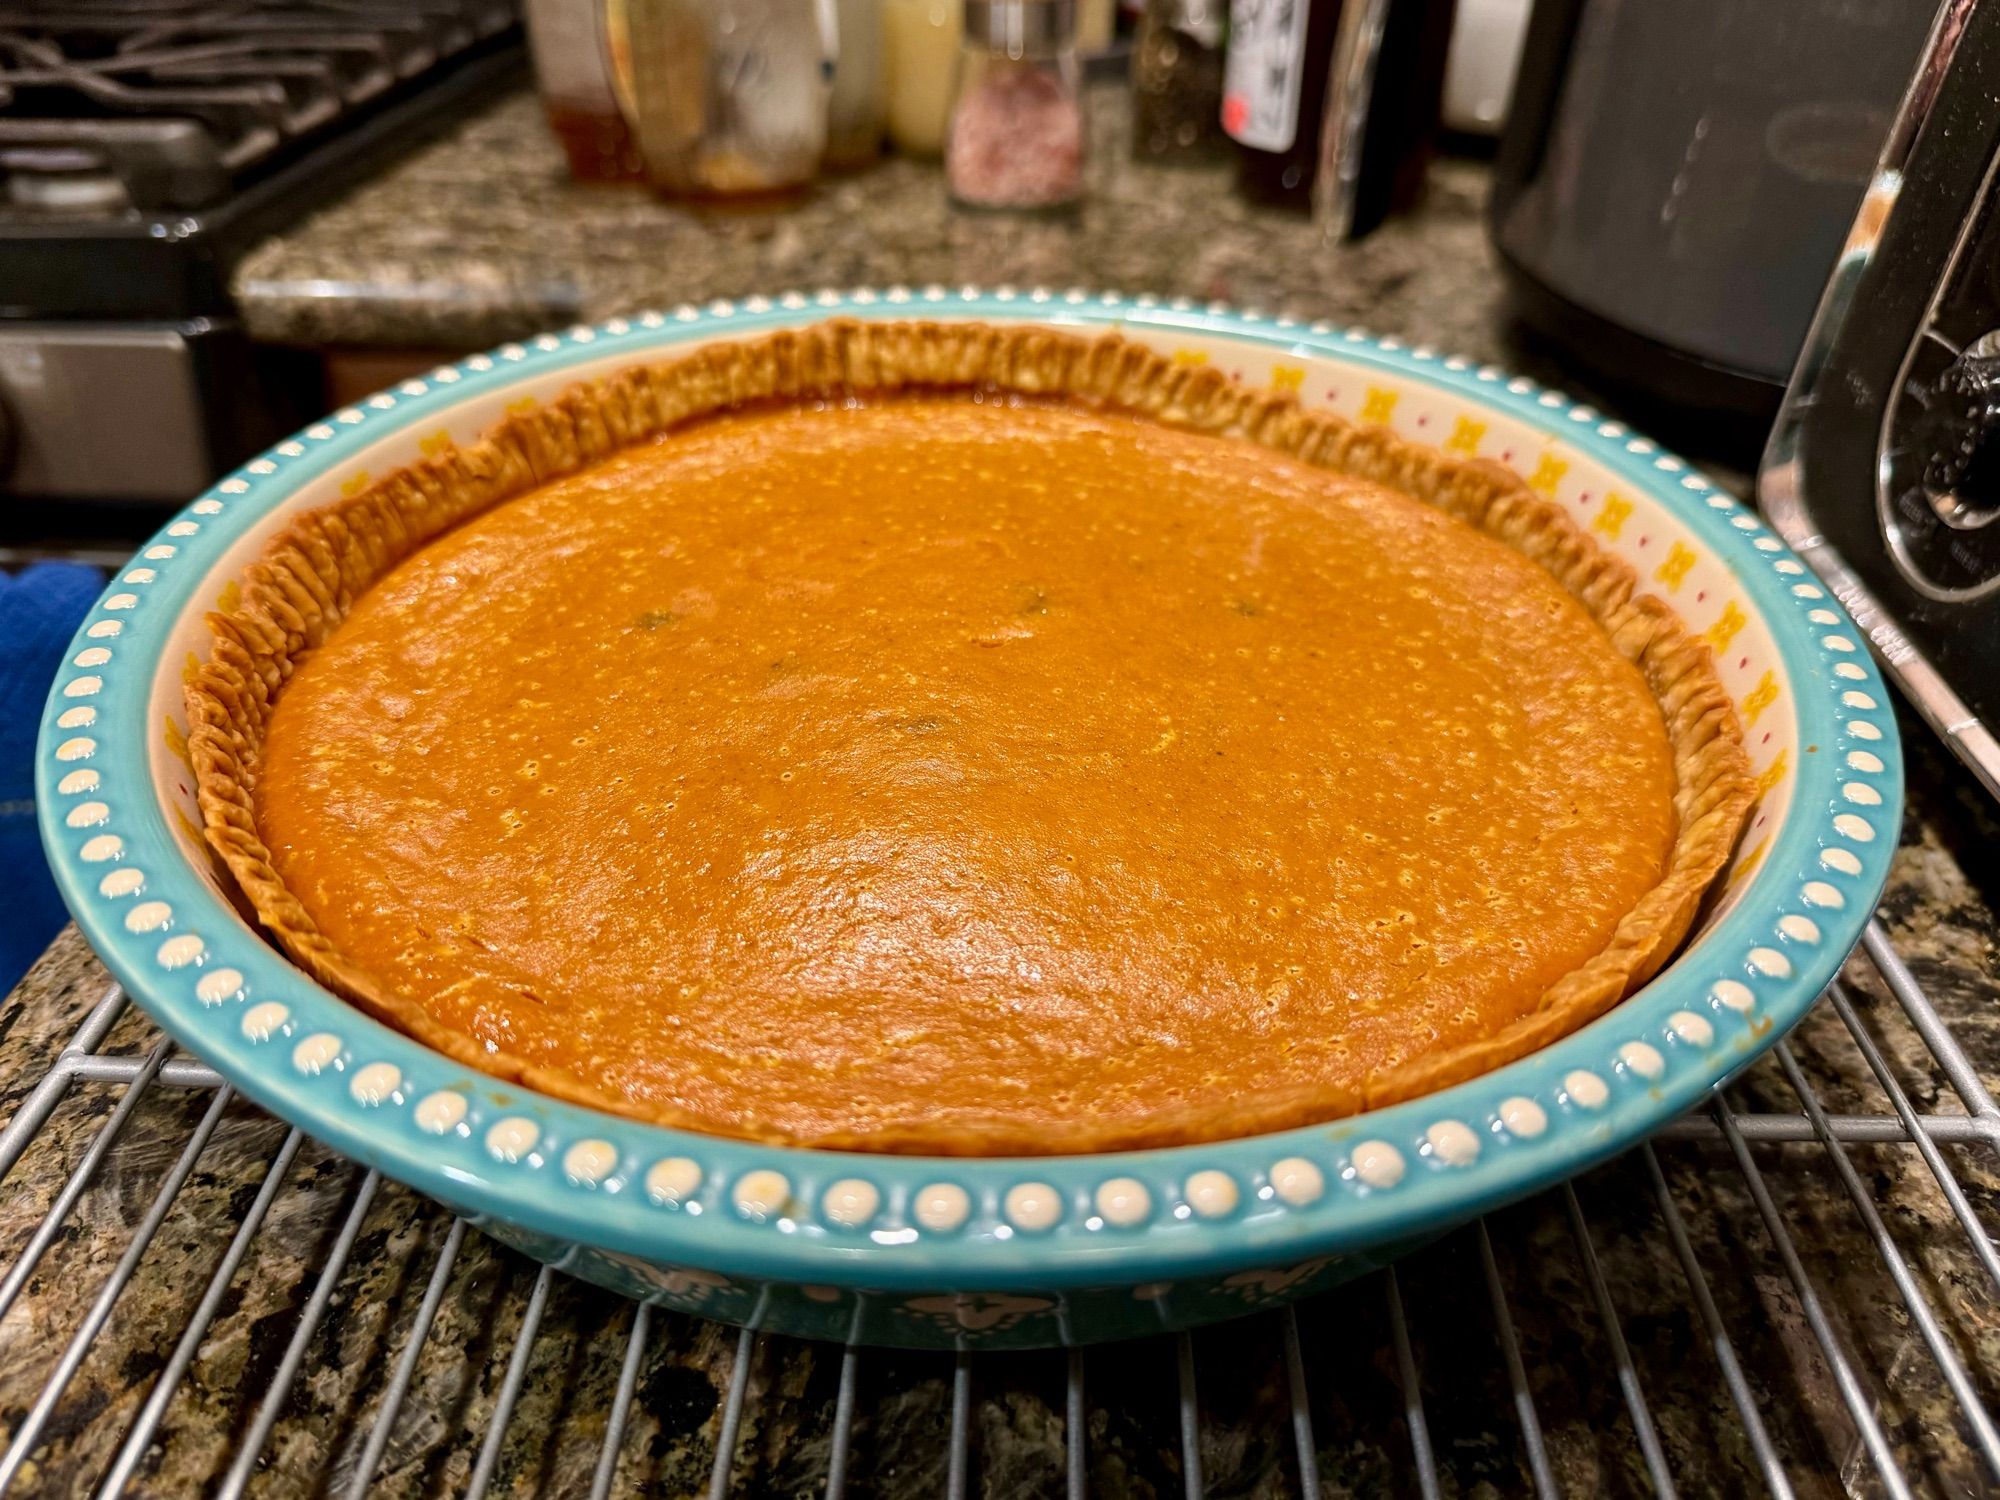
x=40, y=609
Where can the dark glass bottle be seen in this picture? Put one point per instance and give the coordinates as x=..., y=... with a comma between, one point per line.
x=1274, y=94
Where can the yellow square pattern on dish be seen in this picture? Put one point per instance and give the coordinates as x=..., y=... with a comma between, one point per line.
x=1759, y=698
x=1465, y=437
x=1380, y=404
x=1612, y=516
x=1723, y=631
x=1548, y=475
x=1674, y=571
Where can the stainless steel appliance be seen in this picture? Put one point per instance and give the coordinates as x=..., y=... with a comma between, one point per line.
x=1674, y=183
x=1884, y=468
x=144, y=145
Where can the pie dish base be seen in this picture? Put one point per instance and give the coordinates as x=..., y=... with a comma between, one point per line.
x=746, y=1232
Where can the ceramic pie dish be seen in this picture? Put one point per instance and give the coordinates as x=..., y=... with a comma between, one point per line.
x=1019, y=1250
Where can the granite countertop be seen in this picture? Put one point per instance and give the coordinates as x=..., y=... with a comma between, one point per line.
x=476, y=239
x=481, y=237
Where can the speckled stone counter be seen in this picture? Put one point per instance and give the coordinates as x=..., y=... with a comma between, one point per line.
x=1940, y=909
x=476, y=239
x=481, y=237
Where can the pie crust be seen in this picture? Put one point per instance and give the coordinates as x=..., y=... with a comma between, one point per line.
x=321, y=563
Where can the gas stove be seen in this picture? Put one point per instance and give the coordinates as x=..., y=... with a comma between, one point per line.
x=144, y=145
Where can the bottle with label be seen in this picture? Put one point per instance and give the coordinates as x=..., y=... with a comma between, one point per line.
x=565, y=39
x=1274, y=94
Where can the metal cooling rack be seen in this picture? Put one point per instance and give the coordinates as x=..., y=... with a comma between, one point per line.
x=1552, y=1313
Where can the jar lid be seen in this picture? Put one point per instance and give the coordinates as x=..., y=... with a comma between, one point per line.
x=1018, y=27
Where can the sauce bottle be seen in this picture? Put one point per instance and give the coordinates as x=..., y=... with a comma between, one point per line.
x=1274, y=94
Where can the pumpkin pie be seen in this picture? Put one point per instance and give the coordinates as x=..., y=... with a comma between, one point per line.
x=954, y=738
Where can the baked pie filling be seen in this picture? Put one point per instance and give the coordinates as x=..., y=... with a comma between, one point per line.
x=952, y=738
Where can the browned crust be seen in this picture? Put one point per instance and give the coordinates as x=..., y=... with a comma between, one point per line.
x=313, y=571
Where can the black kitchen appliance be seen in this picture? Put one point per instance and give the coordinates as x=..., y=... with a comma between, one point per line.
x=144, y=145
x=1674, y=183
x=1884, y=468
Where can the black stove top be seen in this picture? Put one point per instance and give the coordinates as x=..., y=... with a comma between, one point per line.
x=144, y=143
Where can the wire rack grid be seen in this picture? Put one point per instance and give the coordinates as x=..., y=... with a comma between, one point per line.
x=1794, y=1291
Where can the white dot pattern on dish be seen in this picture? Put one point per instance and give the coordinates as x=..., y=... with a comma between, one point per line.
x=671, y=1181
x=1861, y=795
x=148, y=916
x=1861, y=729
x=1643, y=1058
x=100, y=848
x=80, y=748
x=1123, y=1201
x=106, y=630
x=1212, y=1193
x=82, y=687
x=76, y=718
x=316, y=1053
x=87, y=815
x=260, y=1021
x=123, y=882
x=1297, y=1181
x=1453, y=1143
x=589, y=1162
x=1733, y=993
x=1523, y=1117
x=1807, y=591
x=92, y=656
x=218, y=985
x=1788, y=567
x=1821, y=894
x=1378, y=1164
x=162, y=552
x=942, y=1206
x=1695, y=1030
x=1033, y=1206
x=512, y=1139
x=141, y=575
x=441, y=1112
x=1799, y=929
x=1849, y=826
x=376, y=1083
x=78, y=782
x=1864, y=760
x=179, y=952
x=1853, y=671
x=850, y=1202
x=761, y=1194
x=1842, y=860
x=1770, y=963
x=1586, y=1088
x=1855, y=698
x=1822, y=617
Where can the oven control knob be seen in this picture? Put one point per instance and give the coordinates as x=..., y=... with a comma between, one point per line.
x=1959, y=438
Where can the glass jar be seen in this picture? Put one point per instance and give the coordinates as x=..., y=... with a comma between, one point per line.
x=725, y=97
x=919, y=53
x=1177, y=82
x=1016, y=139
x=573, y=76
